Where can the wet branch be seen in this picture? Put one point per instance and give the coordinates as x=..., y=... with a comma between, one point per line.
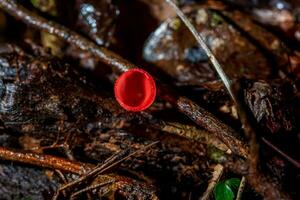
x=68, y=35
x=211, y=123
x=45, y=161
x=193, y=133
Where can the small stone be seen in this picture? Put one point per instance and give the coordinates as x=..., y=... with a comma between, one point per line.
x=201, y=17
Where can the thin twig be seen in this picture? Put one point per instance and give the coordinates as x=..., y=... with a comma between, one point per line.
x=61, y=175
x=241, y=189
x=63, y=178
x=110, y=163
x=91, y=188
x=291, y=160
x=88, y=174
x=218, y=171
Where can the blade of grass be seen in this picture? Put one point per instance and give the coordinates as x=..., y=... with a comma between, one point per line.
x=207, y=50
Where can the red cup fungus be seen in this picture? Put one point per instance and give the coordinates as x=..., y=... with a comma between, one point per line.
x=135, y=90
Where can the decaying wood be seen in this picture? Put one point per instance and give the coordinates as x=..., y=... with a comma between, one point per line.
x=101, y=133
x=121, y=65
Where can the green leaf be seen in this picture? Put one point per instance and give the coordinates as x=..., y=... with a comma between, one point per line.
x=233, y=183
x=223, y=192
x=216, y=19
x=226, y=190
x=215, y=154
